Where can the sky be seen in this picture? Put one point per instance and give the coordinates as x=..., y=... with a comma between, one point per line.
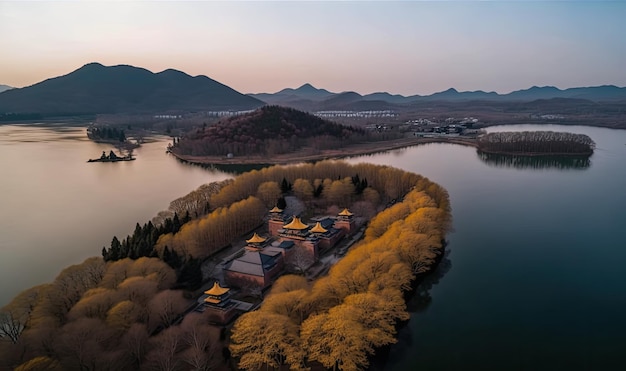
x=409, y=47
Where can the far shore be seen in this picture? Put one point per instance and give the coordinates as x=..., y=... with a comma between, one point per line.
x=306, y=155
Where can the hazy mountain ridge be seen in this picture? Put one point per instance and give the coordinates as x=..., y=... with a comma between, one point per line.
x=301, y=98
x=95, y=88
x=5, y=88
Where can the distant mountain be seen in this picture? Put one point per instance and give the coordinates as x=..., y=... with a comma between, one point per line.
x=5, y=87
x=297, y=98
x=306, y=92
x=95, y=88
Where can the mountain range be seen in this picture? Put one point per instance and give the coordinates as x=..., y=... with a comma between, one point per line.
x=310, y=98
x=94, y=89
x=5, y=87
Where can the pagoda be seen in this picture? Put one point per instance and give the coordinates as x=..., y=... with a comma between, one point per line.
x=345, y=221
x=275, y=221
x=218, y=303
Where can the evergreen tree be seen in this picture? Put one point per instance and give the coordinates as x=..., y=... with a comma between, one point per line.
x=281, y=203
x=175, y=224
x=116, y=249
x=285, y=186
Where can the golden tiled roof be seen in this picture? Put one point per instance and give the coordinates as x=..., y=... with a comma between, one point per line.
x=296, y=223
x=345, y=212
x=276, y=210
x=256, y=239
x=217, y=290
x=318, y=228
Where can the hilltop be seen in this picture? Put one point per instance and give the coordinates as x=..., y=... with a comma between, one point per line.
x=98, y=89
x=268, y=131
x=5, y=87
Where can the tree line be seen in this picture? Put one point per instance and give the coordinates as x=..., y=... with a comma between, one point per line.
x=532, y=142
x=106, y=133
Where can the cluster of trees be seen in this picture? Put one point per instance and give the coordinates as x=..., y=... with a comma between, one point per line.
x=105, y=316
x=106, y=133
x=202, y=237
x=268, y=130
x=141, y=242
x=532, y=142
x=339, y=320
x=384, y=182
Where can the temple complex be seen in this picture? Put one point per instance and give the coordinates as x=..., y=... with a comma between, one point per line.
x=264, y=258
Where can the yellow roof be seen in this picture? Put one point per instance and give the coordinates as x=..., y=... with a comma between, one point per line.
x=345, y=212
x=276, y=210
x=217, y=290
x=211, y=300
x=256, y=239
x=296, y=224
x=318, y=228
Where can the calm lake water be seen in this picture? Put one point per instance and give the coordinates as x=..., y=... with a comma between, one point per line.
x=535, y=277
x=56, y=209
x=536, y=274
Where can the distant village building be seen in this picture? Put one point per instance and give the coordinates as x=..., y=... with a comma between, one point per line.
x=264, y=257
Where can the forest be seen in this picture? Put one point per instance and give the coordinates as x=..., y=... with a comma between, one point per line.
x=106, y=133
x=127, y=312
x=536, y=142
x=269, y=130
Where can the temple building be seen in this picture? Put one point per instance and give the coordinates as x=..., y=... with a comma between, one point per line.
x=264, y=257
x=254, y=268
x=218, y=305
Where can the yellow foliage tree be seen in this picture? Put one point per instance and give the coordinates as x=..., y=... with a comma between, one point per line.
x=266, y=339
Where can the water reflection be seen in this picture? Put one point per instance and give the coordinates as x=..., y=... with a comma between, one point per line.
x=419, y=301
x=234, y=169
x=535, y=162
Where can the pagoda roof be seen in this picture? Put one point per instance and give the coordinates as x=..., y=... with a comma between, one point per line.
x=345, y=212
x=256, y=239
x=296, y=223
x=276, y=210
x=318, y=228
x=217, y=290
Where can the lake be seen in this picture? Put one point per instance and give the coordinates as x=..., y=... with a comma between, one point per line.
x=56, y=209
x=534, y=279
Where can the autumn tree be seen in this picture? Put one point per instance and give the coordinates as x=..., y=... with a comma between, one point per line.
x=269, y=192
x=266, y=339
x=303, y=189
x=165, y=306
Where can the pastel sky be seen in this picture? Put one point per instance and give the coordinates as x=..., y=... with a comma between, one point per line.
x=410, y=47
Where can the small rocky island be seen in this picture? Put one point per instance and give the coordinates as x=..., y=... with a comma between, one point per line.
x=536, y=143
x=112, y=157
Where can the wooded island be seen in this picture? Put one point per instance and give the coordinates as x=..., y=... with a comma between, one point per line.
x=531, y=143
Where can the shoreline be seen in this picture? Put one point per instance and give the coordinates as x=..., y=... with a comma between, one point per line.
x=355, y=150
x=302, y=156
